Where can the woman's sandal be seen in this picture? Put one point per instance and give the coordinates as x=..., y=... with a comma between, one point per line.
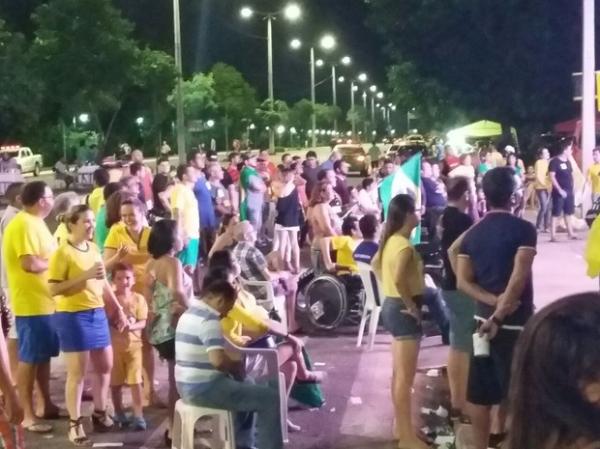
x=80, y=441
x=102, y=421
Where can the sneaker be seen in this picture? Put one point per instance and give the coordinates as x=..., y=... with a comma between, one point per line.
x=122, y=419
x=139, y=423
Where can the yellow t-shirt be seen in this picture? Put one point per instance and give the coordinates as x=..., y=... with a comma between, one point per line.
x=183, y=199
x=136, y=309
x=61, y=235
x=68, y=262
x=96, y=199
x=27, y=235
x=389, y=267
x=241, y=321
x=345, y=246
x=138, y=251
x=593, y=174
x=541, y=172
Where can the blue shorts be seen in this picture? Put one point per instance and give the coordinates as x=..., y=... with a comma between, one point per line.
x=462, y=310
x=189, y=254
x=401, y=325
x=82, y=331
x=37, y=338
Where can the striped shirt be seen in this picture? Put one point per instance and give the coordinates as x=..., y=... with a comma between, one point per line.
x=198, y=332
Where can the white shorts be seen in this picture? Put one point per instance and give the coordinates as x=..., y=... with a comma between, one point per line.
x=12, y=330
x=278, y=227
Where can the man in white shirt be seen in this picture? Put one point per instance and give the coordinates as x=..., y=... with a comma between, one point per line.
x=367, y=198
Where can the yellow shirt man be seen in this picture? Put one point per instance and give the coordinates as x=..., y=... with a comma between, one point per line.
x=28, y=235
x=69, y=262
x=184, y=201
x=542, y=179
x=593, y=176
x=414, y=280
x=96, y=199
x=345, y=246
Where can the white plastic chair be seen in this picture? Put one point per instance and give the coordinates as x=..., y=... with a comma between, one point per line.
x=262, y=365
x=186, y=416
x=371, y=305
x=271, y=301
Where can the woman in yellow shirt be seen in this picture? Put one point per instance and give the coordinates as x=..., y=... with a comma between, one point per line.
x=78, y=283
x=248, y=324
x=400, y=269
x=130, y=236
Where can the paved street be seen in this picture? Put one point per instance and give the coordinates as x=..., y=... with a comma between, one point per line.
x=358, y=412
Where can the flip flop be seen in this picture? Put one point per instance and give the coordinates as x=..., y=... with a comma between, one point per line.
x=38, y=427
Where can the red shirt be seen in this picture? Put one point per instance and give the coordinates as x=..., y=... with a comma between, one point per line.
x=234, y=173
x=450, y=163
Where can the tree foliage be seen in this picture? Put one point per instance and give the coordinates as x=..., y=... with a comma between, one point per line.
x=20, y=91
x=198, y=97
x=300, y=114
x=509, y=61
x=84, y=54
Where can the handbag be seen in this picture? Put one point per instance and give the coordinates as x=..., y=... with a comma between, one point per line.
x=591, y=214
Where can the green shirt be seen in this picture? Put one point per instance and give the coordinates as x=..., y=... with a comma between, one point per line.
x=101, y=229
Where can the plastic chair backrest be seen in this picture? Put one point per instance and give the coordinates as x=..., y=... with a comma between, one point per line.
x=371, y=289
x=267, y=285
x=262, y=364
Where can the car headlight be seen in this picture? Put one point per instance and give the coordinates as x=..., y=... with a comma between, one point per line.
x=360, y=158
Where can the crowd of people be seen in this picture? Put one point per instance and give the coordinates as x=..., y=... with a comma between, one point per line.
x=177, y=264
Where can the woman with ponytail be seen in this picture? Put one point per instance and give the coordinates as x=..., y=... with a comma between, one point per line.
x=400, y=270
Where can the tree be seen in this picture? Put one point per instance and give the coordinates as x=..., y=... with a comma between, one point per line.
x=300, y=114
x=155, y=77
x=509, y=61
x=326, y=114
x=278, y=116
x=198, y=97
x=361, y=116
x=234, y=97
x=84, y=53
x=20, y=91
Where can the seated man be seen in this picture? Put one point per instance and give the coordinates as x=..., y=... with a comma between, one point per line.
x=206, y=376
x=62, y=173
x=344, y=246
x=254, y=267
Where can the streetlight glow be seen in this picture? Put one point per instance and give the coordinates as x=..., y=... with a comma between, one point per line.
x=373, y=88
x=293, y=130
x=328, y=42
x=210, y=123
x=280, y=129
x=341, y=79
x=295, y=44
x=393, y=107
x=84, y=118
x=246, y=12
x=346, y=60
x=319, y=63
x=354, y=88
x=292, y=12
x=139, y=121
x=362, y=77
x=380, y=95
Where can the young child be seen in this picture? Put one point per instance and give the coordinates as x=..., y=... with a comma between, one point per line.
x=127, y=348
x=344, y=246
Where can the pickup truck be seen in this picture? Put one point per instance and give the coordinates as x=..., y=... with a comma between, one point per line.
x=25, y=159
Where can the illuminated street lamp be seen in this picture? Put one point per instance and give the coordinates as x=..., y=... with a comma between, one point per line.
x=139, y=121
x=341, y=79
x=84, y=118
x=319, y=63
x=346, y=60
x=292, y=12
x=380, y=95
x=328, y=42
x=210, y=123
x=362, y=77
x=296, y=44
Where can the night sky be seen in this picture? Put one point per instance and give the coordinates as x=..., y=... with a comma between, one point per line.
x=213, y=31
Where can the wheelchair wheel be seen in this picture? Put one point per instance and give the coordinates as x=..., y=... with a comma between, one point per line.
x=323, y=303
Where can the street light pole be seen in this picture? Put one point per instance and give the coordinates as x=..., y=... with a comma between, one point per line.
x=364, y=97
x=588, y=113
x=373, y=111
x=334, y=86
x=313, y=116
x=353, y=112
x=270, y=76
x=179, y=86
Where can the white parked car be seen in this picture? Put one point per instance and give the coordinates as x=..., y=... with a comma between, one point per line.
x=25, y=159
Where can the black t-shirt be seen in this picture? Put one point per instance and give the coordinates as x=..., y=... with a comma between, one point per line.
x=453, y=223
x=563, y=172
x=492, y=245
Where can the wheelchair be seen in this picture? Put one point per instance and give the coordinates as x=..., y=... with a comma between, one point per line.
x=325, y=301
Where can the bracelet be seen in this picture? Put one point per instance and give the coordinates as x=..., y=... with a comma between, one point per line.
x=497, y=321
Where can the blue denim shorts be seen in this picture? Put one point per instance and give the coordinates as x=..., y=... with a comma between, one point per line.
x=37, y=337
x=85, y=330
x=462, y=310
x=397, y=322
